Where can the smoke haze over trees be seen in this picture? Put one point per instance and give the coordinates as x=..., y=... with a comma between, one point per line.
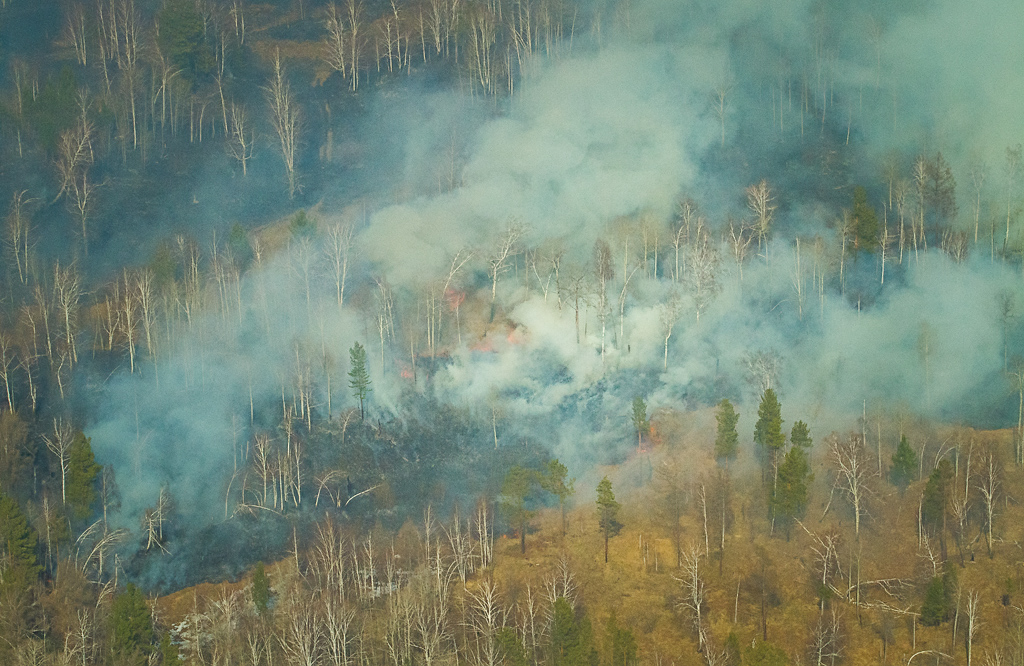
x=524, y=223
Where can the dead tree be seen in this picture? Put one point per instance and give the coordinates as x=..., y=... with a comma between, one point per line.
x=67, y=290
x=338, y=250
x=826, y=639
x=506, y=247
x=241, y=137
x=8, y=354
x=668, y=316
x=335, y=50
x=761, y=203
x=18, y=230
x=59, y=444
x=702, y=269
x=973, y=623
x=740, y=237
x=853, y=470
x=991, y=476
x=692, y=582
x=284, y=116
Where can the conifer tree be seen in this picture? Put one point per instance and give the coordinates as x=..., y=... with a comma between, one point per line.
x=790, y=496
x=83, y=471
x=510, y=648
x=514, y=492
x=904, y=465
x=359, y=377
x=260, y=589
x=934, y=501
x=607, y=512
x=131, y=627
x=18, y=566
x=639, y=419
x=768, y=429
x=557, y=483
x=865, y=222
x=620, y=644
x=727, y=440
x=801, y=435
x=572, y=640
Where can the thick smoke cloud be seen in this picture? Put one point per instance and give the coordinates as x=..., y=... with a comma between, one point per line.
x=610, y=133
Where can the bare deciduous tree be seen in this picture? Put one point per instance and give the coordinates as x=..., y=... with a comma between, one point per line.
x=991, y=480
x=692, y=582
x=284, y=116
x=668, y=316
x=506, y=247
x=241, y=138
x=16, y=240
x=761, y=203
x=853, y=471
x=702, y=269
x=59, y=444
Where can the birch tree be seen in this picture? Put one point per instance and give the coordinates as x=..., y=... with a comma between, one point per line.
x=506, y=247
x=59, y=444
x=241, y=138
x=284, y=116
x=852, y=473
x=761, y=203
x=338, y=249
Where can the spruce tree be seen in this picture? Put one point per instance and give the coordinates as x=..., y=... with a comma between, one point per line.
x=639, y=419
x=865, y=222
x=727, y=440
x=620, y=644
x=80, y=493
x=557, y=483
x=17, y=553
x=904, y=465
x=510, y=648
x=607, y=512
x=359, y=378
x=801, y=435
x=512, y=502
x=790, y=496
x=934, y=610
x=260, y=589
x=768, y=429
x=131, y=627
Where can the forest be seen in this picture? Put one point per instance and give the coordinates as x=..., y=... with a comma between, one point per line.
x=511, y=333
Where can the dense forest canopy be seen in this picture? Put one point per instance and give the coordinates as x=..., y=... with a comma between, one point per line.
x=271, y=269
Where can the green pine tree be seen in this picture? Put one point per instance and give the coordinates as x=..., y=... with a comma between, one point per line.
x=514, y=493
x=260, y=589
x=556, y=482
x=510, y=648
x=607, y=512
x=764, y=654
x=934, y=610
x=865, y=222
x=572, y=639
x=131, y=627
x=639, y=420
x=794, y=478
x=17, y=553
x=934, y=501
x=620, y=644
x=80, y=493
x=904, y=465
x=182, y=38
x=727, y=440
x=801, y=435
x=169, y=652
x=768, y=429
x=359, y=378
